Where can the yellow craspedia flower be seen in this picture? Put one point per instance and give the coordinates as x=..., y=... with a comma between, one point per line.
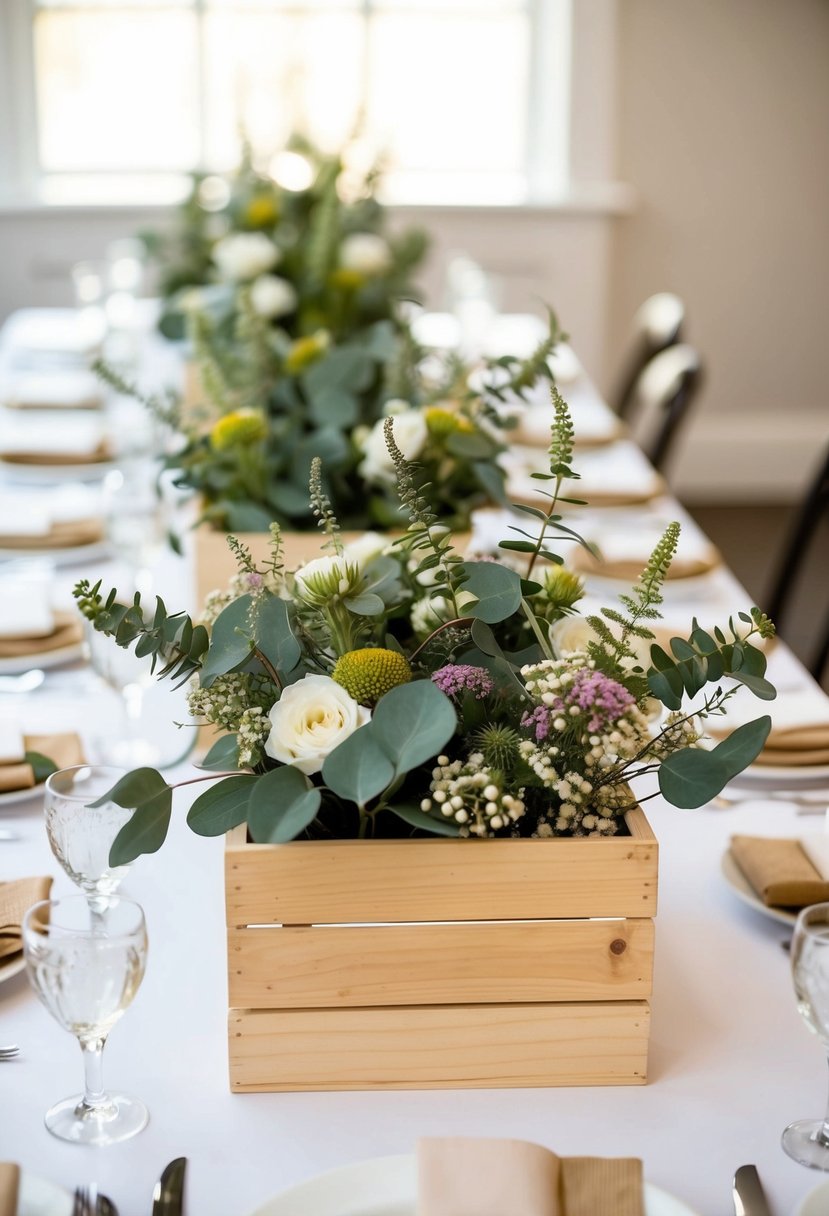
x=562, y=587
x=347, y=279
x=261, y=211
x=443, y=420
x=305, y=351
x=370, y=673
x=238, y=429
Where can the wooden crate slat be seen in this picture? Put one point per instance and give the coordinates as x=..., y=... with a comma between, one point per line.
x=348, y=881
x=319, y=967
x=465, y=1046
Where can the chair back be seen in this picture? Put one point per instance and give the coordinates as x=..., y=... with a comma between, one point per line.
x=811, y=514
x=663, y=393
x=657, y=324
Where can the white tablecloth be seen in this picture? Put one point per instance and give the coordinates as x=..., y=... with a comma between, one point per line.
x=731, y=1062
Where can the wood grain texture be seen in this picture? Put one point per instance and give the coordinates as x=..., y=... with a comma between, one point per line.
x=465, y=963
x=484, y=1046
x=348, y=881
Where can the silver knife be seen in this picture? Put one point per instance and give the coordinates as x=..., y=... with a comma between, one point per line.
x=168, y=1193
x=749, y=1196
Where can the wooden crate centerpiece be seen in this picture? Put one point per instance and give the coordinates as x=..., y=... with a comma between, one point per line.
x=438, y=963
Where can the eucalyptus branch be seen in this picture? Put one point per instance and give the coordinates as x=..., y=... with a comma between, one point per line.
x=164, y=406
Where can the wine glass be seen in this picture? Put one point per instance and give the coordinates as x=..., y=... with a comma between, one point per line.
x=807, y=1140
x=86, y=969
x=81, y=835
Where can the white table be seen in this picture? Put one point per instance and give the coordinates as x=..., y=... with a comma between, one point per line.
x=730, y=1060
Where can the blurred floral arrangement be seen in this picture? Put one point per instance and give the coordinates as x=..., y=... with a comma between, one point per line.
x=308, y=243
x=391, y=687
x=272, y=403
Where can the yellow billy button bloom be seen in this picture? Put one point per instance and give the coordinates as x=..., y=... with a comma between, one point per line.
x=261, y=211
x=238, y=429
x=443, y=420
x=370, y=673
x=305, y=351
x=346, y=279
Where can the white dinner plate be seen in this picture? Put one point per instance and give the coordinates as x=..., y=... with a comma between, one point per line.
x=70, y=556
x=387, y=1186
x=816, y=1202
x=47, y=474
x=790, y=777
x=743, y=889
x=38, y=1197
x=44, y=659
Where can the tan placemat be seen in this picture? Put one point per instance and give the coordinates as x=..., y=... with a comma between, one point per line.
x=68, y=631
x=63, y=748
x=15, y=900
x=779, y=871
x=60, y=536
x=94, y=456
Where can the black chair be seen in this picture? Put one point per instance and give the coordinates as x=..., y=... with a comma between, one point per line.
x=813, y=511
x=662, y=395
x=657, y=325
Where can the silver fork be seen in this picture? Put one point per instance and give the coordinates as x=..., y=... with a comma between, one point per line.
x=9, y=1052
x=85, y=1202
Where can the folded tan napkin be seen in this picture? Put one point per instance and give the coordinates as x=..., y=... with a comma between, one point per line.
x=799, y=728
x=628, y=569
x=9, y=1187
x=101, y=451
x=15, y=900
x=460, y=1176
x=65, y=750
x=779, y=871
x=67, y=632
x=61, y=535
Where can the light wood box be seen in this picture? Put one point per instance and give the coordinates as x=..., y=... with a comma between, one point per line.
x=439, y=963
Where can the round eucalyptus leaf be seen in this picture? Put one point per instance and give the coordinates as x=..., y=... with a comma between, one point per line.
x=412, y=723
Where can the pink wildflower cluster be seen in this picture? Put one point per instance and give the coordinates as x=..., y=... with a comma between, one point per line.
x=593, y=693
x=457, y=678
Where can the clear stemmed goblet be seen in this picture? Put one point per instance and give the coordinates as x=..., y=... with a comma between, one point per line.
x=807, y=1140
x=86, y=969
x=80, y=835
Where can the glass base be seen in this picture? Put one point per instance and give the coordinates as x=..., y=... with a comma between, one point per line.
x=118, y=1119
x=805, y=1141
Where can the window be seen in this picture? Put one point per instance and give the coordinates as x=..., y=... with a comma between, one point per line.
x=467, y=99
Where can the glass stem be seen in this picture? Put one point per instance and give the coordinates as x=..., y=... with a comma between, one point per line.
x=823, y=1134
x=93, y=1072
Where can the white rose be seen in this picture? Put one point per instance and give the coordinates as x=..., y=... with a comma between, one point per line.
x=244, y=255
x=272, y=296
x=410, y=434
x=366, y=253
x=365, y=548
x=309, y=720
x=570, y=634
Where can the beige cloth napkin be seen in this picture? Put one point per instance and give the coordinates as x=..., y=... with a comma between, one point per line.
x=65, y=750
x=101, y=451
x=61, y=535
x=779, y=871
x=15, y=900
x=799, y=728
x=67, y=632
x=629, y=570
x=461, y=1176
x=9, y=1187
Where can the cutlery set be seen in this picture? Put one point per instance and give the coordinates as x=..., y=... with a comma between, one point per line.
x=749, y=1196
x=168, y=1195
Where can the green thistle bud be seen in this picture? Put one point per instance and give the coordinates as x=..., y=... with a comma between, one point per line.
x=499, y=745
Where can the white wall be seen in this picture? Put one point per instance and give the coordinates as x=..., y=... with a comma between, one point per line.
x=723, y=130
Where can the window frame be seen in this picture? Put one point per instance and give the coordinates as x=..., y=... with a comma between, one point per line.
x=566, y=37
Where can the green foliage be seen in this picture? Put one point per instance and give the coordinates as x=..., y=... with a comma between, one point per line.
x=223, y=806
x=359, y=769
x=497, y=591
x=690, y=778
x=147, y=794
x=42, y=767
x=412, y=723
x=282, y=804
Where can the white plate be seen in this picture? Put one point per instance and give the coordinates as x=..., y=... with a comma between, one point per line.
x=41, y=1198
x=14, y=797
x=39, y=474
x=72, y=555
x=816, y=1202
x=791, y=777
x=45, y=659
x=387, y=1186
x=743, y=889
